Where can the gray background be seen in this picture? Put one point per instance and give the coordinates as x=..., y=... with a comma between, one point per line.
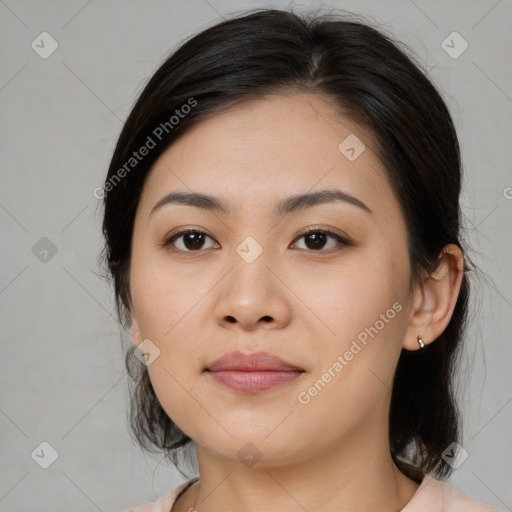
x=62, y=377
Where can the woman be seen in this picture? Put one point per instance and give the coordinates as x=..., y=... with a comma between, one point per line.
x=282, y=227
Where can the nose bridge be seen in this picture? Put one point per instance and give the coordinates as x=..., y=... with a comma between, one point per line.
x=252, y=259
x=255, y=237
x=251, y=292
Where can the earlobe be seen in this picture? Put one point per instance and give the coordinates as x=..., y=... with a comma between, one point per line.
x=435, y=299
x=135, y=333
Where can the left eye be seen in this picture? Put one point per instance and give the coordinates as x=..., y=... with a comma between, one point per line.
x=316, y=238
x=193, y=240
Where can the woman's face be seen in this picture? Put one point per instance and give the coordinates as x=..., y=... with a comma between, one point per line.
x=255, y=283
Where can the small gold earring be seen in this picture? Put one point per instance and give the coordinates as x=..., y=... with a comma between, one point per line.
x=421, y=342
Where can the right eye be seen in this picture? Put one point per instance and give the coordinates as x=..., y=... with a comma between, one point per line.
x=192, y=240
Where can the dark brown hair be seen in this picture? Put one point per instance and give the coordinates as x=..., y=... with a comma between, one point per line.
x=376, y=84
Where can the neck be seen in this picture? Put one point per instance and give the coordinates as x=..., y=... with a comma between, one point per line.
x=351, y=477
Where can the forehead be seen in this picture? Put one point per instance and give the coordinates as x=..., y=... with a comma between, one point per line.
x=258, y=151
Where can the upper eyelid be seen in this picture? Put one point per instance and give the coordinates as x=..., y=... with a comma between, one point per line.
x=306, y=231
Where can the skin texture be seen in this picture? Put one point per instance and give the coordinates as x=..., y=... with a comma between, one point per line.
x=304, y=304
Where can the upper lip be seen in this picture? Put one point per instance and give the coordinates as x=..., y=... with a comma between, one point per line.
x=251, y=362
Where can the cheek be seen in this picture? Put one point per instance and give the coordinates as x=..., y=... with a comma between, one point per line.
x=169, y=311
x=362, y=315
x=351, y=383
x=163, y=294
x=352, y=298
x=166, y=312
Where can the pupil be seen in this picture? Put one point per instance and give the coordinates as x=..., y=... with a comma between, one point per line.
x=318, y=239
x=196, y=239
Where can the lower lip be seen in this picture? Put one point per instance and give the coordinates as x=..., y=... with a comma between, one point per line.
x=253, y=382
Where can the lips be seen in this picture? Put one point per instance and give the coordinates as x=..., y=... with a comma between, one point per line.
x=252, y=373
x=257, y=361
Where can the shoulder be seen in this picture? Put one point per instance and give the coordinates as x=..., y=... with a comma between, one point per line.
x=436, y=496
x=165, y=502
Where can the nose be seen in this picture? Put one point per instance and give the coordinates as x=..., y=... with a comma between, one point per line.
x=253, y=296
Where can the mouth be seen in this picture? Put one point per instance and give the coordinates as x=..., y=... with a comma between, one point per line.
x=252, y=373
x=254, y=381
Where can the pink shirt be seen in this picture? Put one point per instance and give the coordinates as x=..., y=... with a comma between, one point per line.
x=431, y=496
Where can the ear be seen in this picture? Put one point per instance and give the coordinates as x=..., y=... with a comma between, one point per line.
x=135, y=332
x=434, y=300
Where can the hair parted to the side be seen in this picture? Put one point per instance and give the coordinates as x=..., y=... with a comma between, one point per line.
x=374, y=83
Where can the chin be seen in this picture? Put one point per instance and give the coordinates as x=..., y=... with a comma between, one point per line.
x=258, y=450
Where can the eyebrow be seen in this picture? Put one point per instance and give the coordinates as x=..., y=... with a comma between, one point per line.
x=282, y=207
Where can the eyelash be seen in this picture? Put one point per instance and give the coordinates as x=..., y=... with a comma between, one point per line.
x=340, y=241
